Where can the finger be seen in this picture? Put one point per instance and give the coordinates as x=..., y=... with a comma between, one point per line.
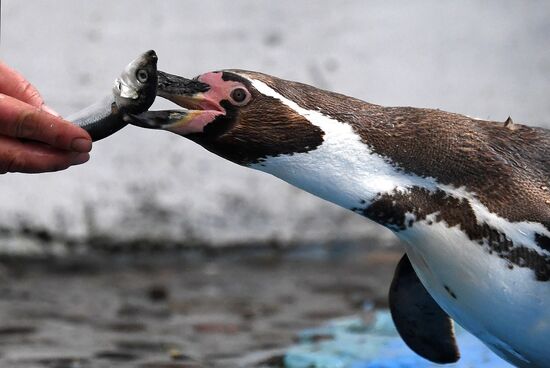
x=34, y=157
x=49, y=110
x=15, y=85
x=17, y=119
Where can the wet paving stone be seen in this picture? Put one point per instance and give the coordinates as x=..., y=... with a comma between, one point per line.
x=176, y=354
x=158, y=293
x=145, y=346
x=276, y=361
x=141, y=311
x=125, y=327
x=218, y=328
x=17, y=330
x=216, y=313
x=161, y=364
x=116, y=356
x=323, y=314
x=61, y=362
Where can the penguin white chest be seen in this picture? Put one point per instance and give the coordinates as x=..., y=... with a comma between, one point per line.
x=503, y=305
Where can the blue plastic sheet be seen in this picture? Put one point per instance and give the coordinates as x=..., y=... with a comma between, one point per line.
x=352, y=343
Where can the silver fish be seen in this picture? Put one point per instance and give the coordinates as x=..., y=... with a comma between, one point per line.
x=134, y=91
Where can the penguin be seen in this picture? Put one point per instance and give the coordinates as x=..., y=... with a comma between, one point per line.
x=469, y=198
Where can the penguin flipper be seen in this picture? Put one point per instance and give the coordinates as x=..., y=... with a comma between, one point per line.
x=420, y=321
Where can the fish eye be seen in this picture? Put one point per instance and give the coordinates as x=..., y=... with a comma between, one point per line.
x=239, y=95
x=142, y=75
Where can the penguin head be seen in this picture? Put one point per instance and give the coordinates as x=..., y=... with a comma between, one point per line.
x=234, y=114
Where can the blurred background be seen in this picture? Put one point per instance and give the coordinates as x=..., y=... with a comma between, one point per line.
x=488, y=60
x=153, y=190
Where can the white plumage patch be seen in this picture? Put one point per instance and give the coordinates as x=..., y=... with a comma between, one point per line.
x=342, y=170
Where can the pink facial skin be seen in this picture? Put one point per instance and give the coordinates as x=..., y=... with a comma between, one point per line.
x=219, y=89
x=207, y=104
x=195, y=122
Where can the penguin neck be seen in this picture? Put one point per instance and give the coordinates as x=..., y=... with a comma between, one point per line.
x=343, y=169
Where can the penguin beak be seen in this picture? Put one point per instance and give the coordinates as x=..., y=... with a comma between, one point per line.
x=191, y=94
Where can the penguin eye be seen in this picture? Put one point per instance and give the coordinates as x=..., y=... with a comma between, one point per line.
x=239, y=95
x=142, y=75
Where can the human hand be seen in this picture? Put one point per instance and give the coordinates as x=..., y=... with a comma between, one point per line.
x=33, y=138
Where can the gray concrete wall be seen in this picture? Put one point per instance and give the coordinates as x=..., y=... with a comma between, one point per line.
x=487, y=59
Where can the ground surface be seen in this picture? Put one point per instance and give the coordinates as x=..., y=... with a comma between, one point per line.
x=180, y=309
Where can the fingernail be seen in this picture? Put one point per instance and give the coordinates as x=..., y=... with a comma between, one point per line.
x=80, y=159
x=49, y=110
x=81, y=145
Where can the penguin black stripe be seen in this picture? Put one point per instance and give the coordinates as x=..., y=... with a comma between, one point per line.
x=390, y=210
